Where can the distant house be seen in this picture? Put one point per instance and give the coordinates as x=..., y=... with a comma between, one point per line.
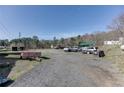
x=113, y=42
x=87, y=43
x=17, y=47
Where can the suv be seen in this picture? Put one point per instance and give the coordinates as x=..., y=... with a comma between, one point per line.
x=74, y=49
x=71, y=49
x=89, y=50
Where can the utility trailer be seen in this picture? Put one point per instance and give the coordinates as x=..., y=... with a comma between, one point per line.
x=31, y=55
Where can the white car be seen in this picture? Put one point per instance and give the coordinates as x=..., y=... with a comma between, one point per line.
x=71, y=49
x=89, y=50
x=66, y=49
x=74, y=49
x=122, y=47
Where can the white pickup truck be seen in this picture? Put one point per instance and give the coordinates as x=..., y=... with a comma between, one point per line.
x=89, y=50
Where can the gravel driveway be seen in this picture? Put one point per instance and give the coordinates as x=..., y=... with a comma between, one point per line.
x=71, y=70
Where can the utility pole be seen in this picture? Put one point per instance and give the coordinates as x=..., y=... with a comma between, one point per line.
x=19, y=40
x=19, y=35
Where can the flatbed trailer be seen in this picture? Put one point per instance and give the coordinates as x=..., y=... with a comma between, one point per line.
x=24, y=54
x=31, y=55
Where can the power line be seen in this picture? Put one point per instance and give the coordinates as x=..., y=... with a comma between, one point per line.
x=5, y=30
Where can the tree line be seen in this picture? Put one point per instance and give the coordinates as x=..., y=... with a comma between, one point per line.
x=114, y=31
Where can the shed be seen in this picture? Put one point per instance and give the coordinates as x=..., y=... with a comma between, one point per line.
x=87, y=43
x=17, y=47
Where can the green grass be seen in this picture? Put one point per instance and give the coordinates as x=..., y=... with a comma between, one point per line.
x=20, y=66
x=115, y=55
x=4, y=50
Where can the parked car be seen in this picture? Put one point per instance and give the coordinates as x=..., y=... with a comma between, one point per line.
x=71, y=49
x=80, y=49
x=56, y=47
x=96, y=52
x=3, y=80
x=66, y=49
x=74, y=49
x=59, y=47
x=122, y=47
x=89, y=50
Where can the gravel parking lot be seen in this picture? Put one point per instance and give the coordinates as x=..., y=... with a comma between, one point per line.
x=66, y=69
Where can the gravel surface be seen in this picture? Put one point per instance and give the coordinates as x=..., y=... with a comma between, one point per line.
x=71, y=70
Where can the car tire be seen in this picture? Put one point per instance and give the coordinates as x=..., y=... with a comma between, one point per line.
x=20, y=57
x=88, y=52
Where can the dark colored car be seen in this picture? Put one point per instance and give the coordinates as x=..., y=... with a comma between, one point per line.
x=101, y=53
x=3, y=80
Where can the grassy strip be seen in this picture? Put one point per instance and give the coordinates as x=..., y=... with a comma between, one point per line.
x=20, y=66
x=115, y=55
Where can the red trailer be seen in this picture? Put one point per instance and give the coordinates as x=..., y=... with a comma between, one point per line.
x=30, y=55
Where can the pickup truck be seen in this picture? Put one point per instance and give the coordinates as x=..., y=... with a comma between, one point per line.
x=89, y=50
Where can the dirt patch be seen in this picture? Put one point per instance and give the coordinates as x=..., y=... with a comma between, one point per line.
x=101, y=76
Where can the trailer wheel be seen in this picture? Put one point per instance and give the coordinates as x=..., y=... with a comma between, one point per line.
x=40, y=59
x=20, y=57
x=30, y=59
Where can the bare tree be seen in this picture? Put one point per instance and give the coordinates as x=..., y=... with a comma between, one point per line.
x=118, y=25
